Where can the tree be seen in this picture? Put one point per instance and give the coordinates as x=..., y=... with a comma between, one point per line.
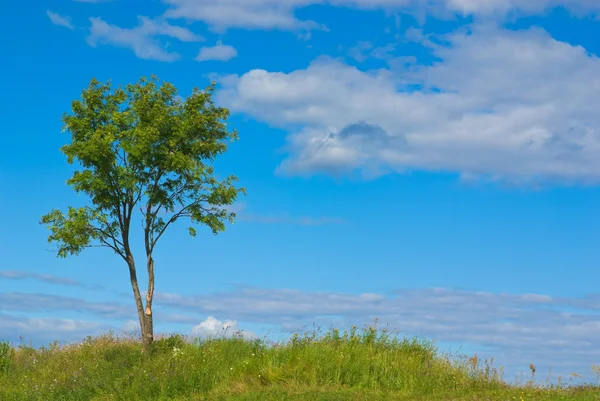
x=142, y=145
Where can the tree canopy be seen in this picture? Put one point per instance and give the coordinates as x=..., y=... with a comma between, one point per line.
x=142, y=146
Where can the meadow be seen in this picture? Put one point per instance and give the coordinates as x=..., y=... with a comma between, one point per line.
x=365, y=364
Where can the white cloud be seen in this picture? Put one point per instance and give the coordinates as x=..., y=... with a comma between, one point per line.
x=279, y=14
x=46, y=278
x=141, y=39
x=32, y=302
x=40, y=303
x=242, y=214
x=211, y=328
x=218, y=52
x=253, y=14
x=41, y=330
x=530, y=7
x=131, y=326
x=60, y=20
x=365, y=49
x=510, y=105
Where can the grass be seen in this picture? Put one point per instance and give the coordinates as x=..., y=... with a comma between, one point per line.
x=368, y=364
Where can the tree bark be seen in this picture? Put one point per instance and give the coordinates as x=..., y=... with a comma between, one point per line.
x=148, y=329
x=145, y=323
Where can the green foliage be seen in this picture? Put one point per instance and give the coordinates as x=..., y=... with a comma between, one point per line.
x=6, y=357
x=75, y=231
x=168, y=345
x=121, y=354
x=354, y=365
x=142, y=145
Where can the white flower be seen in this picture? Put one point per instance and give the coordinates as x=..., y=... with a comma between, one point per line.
x=177, y=351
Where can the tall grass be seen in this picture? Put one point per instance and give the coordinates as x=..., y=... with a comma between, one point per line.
x=365, y=364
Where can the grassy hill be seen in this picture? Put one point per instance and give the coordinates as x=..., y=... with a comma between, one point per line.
x=354, y=365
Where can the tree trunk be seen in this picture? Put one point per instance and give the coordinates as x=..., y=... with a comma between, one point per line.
x=145, y=320
x=148, y=330
x=146, y=315
x=147, y=333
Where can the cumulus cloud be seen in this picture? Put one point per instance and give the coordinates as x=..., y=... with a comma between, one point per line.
x=142, y=39
x=280, y=14
x=212, y=327
x=219, y=52
x=500, y=104
x=60, y=20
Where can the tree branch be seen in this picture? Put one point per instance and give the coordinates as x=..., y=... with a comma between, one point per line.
x=116, y=242
x=151, y=217
x=173, y=218
x=171, y=198
x=117, y=251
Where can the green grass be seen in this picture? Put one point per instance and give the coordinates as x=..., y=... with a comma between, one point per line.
x=355, y=365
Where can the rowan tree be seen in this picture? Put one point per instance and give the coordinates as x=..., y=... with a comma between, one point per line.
x=142, y=150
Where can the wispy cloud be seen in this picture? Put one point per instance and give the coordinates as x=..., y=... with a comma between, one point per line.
x=60, y=20
x=258, y=14
x=365, y=49
x=280, y=14
x=47, y=278
x=42, y=330
x=30, y=303
x=141, y=39
x=36, y=302
x=243, y=215
x=219, y=52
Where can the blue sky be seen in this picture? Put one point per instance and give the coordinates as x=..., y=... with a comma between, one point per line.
x=430, y=163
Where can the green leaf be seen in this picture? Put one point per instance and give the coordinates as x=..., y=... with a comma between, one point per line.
x=141, y=147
